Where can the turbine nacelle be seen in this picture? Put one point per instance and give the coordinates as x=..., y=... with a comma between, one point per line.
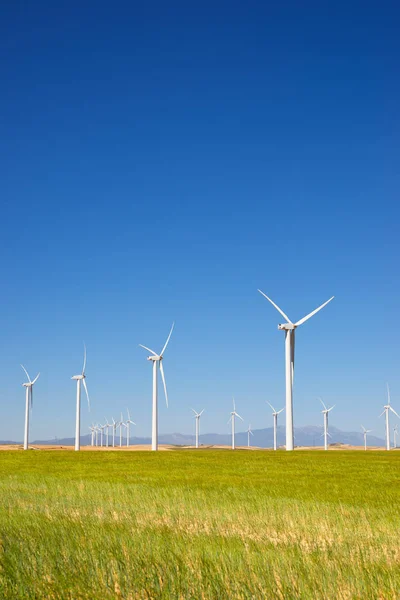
x=287, y=326
x=78, y=377
x=155, y=358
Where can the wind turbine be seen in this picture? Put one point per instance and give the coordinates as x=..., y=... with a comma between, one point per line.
x=386, y=409
x=121, y=424
x=107, y=428
x=275, y=415
x=365, y=431
x=80, y=378
x=232, y=419
x=289, y=329
x=197, y=417
x=128, y=429
x=157, y=359
x=114, y=428
x=325, y=413
x=92, y=430
x=28, y=401
x=102, y=428
x=395, y=432
x=249, y=432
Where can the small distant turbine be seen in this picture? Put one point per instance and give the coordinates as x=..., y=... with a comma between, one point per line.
x=386, y=410
x=232, y=420
x=289, y=328
x=121, y=425
x=249, y=433
x=157, y=360
x=114, y=429
x=197, y=417
x=129, y=422
x=102, y=428
x=28, y=404
x=395, y=433
x=325, y=413
x=365, y=431
x=275, y=414
x=107, y=428
x=80, y=378
x=92, y=429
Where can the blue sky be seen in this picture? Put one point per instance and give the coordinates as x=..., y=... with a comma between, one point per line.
x=162, y=162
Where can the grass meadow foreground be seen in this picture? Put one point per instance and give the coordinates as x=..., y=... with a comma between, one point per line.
x=199, y=524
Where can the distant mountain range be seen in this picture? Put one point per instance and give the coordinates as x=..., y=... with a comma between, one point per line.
x=310, y=435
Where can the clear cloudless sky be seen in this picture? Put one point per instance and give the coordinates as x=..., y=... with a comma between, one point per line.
x=159, y=163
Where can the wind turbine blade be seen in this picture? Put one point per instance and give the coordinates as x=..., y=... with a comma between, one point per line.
x=201, y=412
x=163, y=380
x=168, y=338
x=382, y=413
x=363, y=428
x=84, y=359
x=234, y=406
x=230, y=419
x=276, y=306
x=251, y=432
x=393, y=411
x=29, y=379
x=320, y=399
x=313, y=312
x=328, y=434
x=146, y=348
x=87, y=393
x=279, y=411
x=238, y=416
x=129, y=416
x=36, y=378
x=194, y=411
x=271, y=406
x=388, y=392
x=331, y=408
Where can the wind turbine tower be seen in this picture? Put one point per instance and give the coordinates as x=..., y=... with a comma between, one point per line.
x=80, y=378
x=289, y=329
x=197, y=417
x=28, y=404
x=157, y=359
x=249, y=433
x=275, y=415
x=232, y=420
x=385, y=412
x=128, y=428
x=365, y=431
x=325, y=413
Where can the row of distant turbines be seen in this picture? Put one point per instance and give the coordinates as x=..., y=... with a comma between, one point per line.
x=289, y=327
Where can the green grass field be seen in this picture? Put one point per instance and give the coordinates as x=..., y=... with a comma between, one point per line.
x=199, y=524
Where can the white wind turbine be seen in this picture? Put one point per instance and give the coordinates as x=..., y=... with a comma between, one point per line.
x=275, y=414
x=102, y=428
x=232, y=420
x=249, y=433
x=28, y=401
x=107, y=428
x=395, y=433
x=114, y=429
x=386, y=409
x=121, y=425
x=92, y=429
x=365, y=431
x=128, y=428
x=289, y=329
x=325, y=413
x=80, y=378
x=157, y=359
x=197, y=417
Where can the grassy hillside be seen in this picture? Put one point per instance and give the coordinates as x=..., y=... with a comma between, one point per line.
x=199, y=524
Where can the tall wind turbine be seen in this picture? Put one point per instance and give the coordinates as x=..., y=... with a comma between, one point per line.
x=80, y=378
x=275, y=414
x=386, y=410
x=129, y=422
x=395, y=434
x=289, y=329
x=28, y=401
x=365, y=431
x=107, y=428
x=157, y=360
x=232, y=420
x=325, y=413
x=249, y=433
x=92, y=430
x=197, y=417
